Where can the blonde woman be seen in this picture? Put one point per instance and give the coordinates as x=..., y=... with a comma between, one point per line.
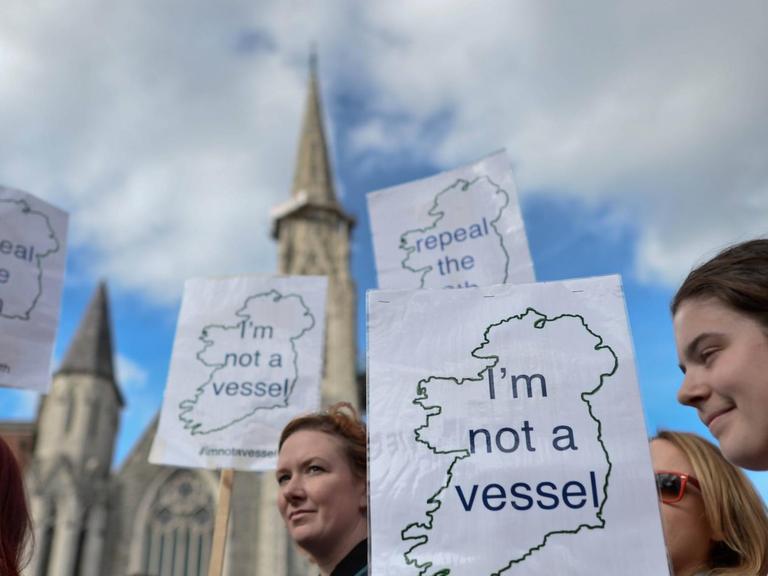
x=715, y=523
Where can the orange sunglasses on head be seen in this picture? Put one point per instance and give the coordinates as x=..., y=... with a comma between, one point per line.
x=672, y=485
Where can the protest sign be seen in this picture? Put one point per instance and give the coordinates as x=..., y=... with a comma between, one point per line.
x=33, y=237
x=506, y=434
x=457, y=229
x=246, y=359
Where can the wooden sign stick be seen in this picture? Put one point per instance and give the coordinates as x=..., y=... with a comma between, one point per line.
x=216, y=566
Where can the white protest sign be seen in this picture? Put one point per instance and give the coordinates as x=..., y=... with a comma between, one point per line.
x=33, y=240
x=247, y=359
x=506, y=434
x=457, y=229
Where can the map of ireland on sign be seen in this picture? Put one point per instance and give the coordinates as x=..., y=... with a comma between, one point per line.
x=266, y=350
x=517, y=415
x=32, y=259
x=21, y=278
x=513, y=374
x=457, y=229
x=247, y=359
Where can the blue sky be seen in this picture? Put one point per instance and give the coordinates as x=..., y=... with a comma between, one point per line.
x=637, y=132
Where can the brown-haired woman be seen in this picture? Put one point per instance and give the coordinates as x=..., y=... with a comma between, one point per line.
x=721, y=331
x=715, y=523
x=322, y=494
x=14, y=516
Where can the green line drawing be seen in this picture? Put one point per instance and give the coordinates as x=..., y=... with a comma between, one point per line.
x=461, y=185
x=185, y=406
x=434, y=502
x=27, y=211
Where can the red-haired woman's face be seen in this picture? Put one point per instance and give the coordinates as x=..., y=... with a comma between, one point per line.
x=321, y=500
x=724, y=355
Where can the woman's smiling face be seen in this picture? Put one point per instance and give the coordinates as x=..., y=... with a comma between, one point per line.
x=724, y=356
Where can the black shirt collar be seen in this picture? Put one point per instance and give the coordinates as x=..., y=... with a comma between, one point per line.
x=353, y=562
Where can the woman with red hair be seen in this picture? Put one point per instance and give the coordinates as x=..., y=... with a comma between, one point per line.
x=322, y=489
x=14, y=515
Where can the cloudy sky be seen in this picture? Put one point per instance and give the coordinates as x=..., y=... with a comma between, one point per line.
x=638, y=133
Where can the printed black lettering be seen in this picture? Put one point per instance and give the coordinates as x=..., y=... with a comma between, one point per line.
x=467, y=505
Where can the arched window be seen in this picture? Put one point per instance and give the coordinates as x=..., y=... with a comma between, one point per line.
x=43, y=547
x=80, y=550
x=179, y=527
x=93, y=417
x=67, y=398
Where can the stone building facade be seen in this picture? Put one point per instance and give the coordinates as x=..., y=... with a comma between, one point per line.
x=144, y=519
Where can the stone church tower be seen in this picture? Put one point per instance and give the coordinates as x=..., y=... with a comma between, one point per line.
x=313, y=233
x=68, y=480
x=149, y=520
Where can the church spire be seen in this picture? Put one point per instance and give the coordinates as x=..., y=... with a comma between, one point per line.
x=313, y=179
x=90, y=351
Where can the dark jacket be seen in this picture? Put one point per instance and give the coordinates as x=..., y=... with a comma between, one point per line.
x=355, y=563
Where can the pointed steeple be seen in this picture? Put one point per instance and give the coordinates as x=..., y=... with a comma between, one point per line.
x=90, y=351
x=313, y=178
x=313, y=189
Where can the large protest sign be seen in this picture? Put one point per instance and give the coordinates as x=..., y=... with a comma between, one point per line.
x=506, y=434
x=246, y=359
x=33, y=238
x=457, y=229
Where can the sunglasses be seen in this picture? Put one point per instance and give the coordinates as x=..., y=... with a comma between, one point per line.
x=672, y=485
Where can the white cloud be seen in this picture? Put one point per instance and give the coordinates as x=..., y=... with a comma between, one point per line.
x=131, y=376
x=166, y=137
x=169, y=130
x=654, y=107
